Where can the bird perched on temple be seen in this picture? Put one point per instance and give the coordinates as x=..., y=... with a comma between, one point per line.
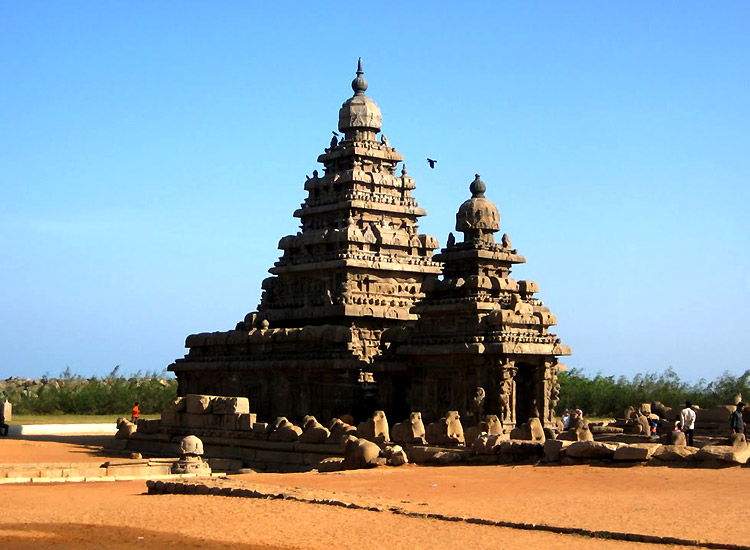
x=431, y=162
x=335, y=133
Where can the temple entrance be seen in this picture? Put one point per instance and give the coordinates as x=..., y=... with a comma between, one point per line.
x=525, y=393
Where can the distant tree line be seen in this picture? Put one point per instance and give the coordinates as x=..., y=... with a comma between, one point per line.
x=607, y=396
x=73, y=394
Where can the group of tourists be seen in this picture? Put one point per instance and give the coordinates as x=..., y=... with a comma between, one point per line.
x=686, y=423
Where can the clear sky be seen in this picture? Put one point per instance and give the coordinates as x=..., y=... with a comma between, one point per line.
x=152, y=154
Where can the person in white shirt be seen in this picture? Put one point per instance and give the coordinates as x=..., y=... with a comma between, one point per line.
x=687, y=417
x=566, y=419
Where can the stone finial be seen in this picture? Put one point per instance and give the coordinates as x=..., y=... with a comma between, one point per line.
x=477, y=187
x=359, y=84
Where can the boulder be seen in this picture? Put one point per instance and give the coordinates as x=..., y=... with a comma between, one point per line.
x=636, y=451
x=737, y=440
x=447, y=457
x=591, y=449
x=487, y=444
x=394, y=455
x=360, y=453
x=198, y=404
x=231, y=405
x=409, y=430
x=521, y=451
x=629, y=413
x=554, y=449
x=672, y=453
x=473, y=432
x=677, y=439
x=660, y=409
x=313, y=431
x=724, y=453
x=521, y=433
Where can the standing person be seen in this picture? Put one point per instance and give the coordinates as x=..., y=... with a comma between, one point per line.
x=687, y=416
x=136, y=413
x=566, y=419
x=3, y=426
x=735, y=420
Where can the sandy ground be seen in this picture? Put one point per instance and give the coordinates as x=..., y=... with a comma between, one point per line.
x=687, y=503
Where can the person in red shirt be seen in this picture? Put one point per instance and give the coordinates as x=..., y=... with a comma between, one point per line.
x=136, y=413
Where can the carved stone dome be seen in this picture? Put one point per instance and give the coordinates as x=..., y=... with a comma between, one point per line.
x=360, y=112
x=477, y=213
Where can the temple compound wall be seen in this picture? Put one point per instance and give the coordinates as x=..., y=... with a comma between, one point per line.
x=358, y=315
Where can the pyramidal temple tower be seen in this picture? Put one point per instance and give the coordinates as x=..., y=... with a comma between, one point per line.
x=355, y=269
x=482, y=343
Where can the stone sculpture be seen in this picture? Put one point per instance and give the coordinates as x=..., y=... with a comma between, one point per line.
x=410, y=431
x=190, y=462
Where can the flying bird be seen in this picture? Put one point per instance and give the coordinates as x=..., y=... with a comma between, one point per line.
x=432, y=163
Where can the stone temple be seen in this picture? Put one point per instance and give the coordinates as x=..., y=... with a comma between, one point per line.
x=356, y=316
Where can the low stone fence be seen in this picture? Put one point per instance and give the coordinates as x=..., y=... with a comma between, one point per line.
x=230, y=431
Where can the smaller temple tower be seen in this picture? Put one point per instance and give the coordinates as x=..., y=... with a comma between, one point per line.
x=482, y=343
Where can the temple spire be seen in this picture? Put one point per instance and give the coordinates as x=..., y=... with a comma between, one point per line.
x=359, y=84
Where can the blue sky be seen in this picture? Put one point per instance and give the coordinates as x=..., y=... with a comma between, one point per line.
x=152, y=153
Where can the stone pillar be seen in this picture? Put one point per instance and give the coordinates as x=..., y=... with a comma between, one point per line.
x=551, y=391
x=507, y=393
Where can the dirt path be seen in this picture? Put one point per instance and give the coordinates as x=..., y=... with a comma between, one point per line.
x=119, y=516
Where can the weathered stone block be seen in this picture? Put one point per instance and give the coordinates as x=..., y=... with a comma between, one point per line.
x=518, y=450
x=636, y=451
x=591, y=449
x=198, y=404
x=360, y=453
x=195, y=421
x=487, y=444
x=394, y=455
x=179, y=405
x=246, y=421
x=169, y=418
x=677, y=439
x=737, y=440
x=148, y=426
x=723, y=453
x=671, y=453
x=229, y=421
x=554, y=448
x=231, y=405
